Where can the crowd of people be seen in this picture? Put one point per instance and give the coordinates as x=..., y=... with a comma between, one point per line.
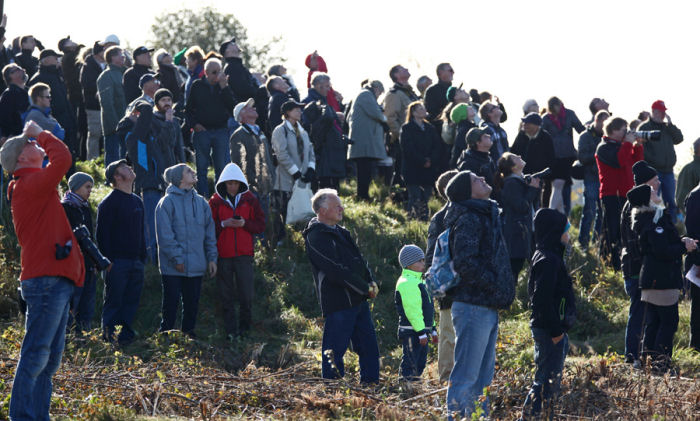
x=153, y=115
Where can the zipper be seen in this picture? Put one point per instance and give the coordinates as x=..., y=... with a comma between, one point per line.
x=562, y=305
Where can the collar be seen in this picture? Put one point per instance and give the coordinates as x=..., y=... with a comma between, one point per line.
x=25, y=171
x=254, y=128
x=412, y=274
x=536, y=134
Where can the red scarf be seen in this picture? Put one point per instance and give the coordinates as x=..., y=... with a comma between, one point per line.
x=560, y=118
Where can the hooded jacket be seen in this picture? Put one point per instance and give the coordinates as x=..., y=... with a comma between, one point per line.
x=661, y=249
x=480, y=253
x=172, y=144
x=413, y=304
x=39, y=219
x=230, y=241
x=184, y=232
x=143, y=145
x=615, y=160
x=341, y=274
x=550, y=288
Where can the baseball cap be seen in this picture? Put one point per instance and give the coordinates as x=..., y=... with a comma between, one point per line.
x=141, y=50
x=112, y=168
x=239, y=107
x=10, y=151
x=659, y=105
x=145, y=79
x=532, y=118
x=49, y=53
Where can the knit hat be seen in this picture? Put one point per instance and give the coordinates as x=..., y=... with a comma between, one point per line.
x=162, y=93
x=460, y=187
x=459, y=113
x=639, y=195
x=451, y=92
x=97, y=48
x=10, y=151
x=179, y=58
x=77, y=180
x=410, y=254
x=643, y=172
x=173, y=175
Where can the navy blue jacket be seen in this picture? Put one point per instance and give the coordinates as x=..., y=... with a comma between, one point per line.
x=14, y=101
x=417, y=146
x=119, y=228
x=60, y=106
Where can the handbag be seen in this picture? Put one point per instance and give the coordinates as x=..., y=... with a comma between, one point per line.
x=299, y=205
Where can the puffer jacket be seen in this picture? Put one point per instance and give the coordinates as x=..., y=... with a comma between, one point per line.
x=550, y=288
x=661, y=249
x=184, y=232
x=341, y=274
x=480, y=253
x=233, y=242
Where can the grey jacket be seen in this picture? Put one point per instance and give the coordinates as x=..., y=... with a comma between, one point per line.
x=184, y=232
x=284, y=144
x=366, y=118
x=110, y=91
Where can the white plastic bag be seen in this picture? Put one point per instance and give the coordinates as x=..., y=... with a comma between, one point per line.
x=299, y=206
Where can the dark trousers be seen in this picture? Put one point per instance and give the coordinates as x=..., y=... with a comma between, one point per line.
x=695, y=316
x=660, y=324
x=549, y=359
x=234, y=281
x=122, y=294
x=516, y=265
x=418, y=197
x=175, y=288
x=610, y=241
x=414, y=357
x=329, y=183
x=278, y=208
x=82, y=303
x=364, y=176
x=343, y=327
x=633, y=333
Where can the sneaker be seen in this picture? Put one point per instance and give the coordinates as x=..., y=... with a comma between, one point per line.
x=637, y=364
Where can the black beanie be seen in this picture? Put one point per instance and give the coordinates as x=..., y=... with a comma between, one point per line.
x=162, y=93
x=640, y=195
x=643, y=172
x=460, y=187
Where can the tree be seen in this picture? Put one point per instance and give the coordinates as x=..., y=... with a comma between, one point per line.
x=208, y=28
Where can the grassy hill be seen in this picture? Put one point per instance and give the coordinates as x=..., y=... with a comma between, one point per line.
x=275, y=372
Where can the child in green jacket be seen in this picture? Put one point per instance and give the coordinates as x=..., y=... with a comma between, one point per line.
x=415, y=308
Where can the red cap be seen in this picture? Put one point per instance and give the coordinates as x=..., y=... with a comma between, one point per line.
x=658, y=105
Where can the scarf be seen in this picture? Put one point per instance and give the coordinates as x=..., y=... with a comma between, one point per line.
x=559, y=118
x=658, y=211
x=74, y=200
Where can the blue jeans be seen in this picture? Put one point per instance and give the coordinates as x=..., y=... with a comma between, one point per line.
x=633, y=333
x=418, y=198
x=150, y=201
x=476, y=331
x=591, y=211
x=175, y=287
x=210, y=146
x=413, y=358
x=115, y=148
x=549, y=359
x=668, y=192
x=122, y=293
x=48, y=300
x=341, y=327
x=82, y=303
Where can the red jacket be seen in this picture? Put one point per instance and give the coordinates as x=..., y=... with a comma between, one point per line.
x=232, y=242
x=39, y=218
x=615, y=160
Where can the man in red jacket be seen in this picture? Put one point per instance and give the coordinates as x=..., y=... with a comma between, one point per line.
x=52, y=263
x=237, y=218
x=615, y=156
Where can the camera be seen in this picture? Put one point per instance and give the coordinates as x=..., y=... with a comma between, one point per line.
x=545, y=173
x=348, y=141
x=63, y=251
x=648, y=134
x=89, y=248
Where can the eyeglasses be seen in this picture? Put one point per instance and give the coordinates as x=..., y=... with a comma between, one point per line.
x=46, y=96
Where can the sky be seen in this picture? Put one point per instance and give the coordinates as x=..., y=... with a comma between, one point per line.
x=629, y=52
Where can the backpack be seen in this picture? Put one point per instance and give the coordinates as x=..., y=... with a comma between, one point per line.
x=442, y=276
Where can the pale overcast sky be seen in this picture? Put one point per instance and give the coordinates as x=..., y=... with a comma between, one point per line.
x=628, y=52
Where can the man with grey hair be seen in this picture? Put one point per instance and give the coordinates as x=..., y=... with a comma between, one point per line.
x=325, y=127
x=207, y=108
x=343, y=284
x=422, y=84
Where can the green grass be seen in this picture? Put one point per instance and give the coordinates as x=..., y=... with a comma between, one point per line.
x=288, y=324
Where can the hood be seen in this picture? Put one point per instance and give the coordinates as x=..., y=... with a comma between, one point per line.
x=549, y=227
x=314, y=224
x=231, y=172
x=639, y=196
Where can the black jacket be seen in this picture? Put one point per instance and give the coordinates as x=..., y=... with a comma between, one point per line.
x=5, y=59
x=661, y=250
x=550, y=288
x=436, y=227
x=241, y=82
x=341, y=274
x=71, y=75
x=28, y=62
x=436, y=99
x=209, y=105
x=631, y=255
x=417, y=146
x=537, y=152
x=89, y=73
x=499, y=137
x=60, y=107
x=517, y=201
x=587, y=145
x=262, y=99
x=692, y=222
x=480, y=163
x=480, y=255
x=274, y=109
x=14, y=101
x=144, y=144
x=460, y=144
x=130, y=80
x=169, y=81
x=77, y=216
x=321, y=122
